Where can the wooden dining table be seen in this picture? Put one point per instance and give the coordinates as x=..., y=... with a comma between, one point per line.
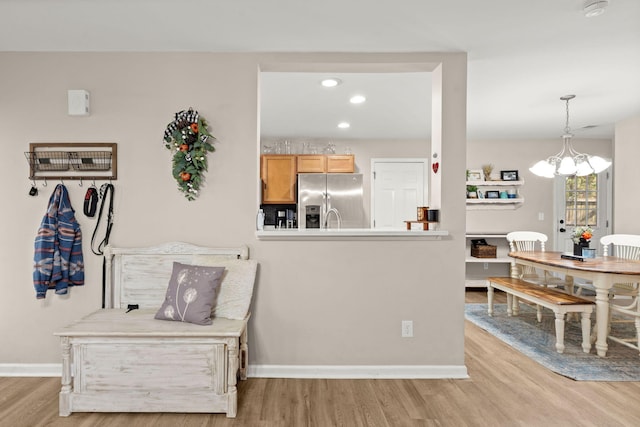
x=603, y=272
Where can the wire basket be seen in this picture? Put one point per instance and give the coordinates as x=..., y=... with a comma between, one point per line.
x=90, y=160
x=48, y=160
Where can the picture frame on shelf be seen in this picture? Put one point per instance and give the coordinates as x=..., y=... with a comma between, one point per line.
x=475, y=175
x=491, y=194
x=511, y=175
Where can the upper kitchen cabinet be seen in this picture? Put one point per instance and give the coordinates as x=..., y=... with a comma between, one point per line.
x=278, y=174
x=312, y=163
x=340, y=163
x=330, y=163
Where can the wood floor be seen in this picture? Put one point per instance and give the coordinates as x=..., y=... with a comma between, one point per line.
x=504, y=389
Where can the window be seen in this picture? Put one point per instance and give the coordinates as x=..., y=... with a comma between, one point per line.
x=581, y=200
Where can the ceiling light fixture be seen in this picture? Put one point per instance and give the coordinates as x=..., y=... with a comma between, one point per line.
x=568, y=161
x=344, y=125
x=594, y=7
x=357, y=99
x=332, y=82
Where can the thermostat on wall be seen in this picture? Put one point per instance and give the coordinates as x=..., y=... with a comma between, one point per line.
x=78, y=102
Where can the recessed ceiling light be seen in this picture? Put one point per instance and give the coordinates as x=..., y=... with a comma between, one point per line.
x=357, y=99
x=344, y=125
x=332, y=82
x=594, y=7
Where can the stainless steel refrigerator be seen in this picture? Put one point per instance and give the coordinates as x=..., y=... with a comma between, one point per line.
x=332, y=198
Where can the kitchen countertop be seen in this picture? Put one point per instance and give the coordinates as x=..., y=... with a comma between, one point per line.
x=349, y=234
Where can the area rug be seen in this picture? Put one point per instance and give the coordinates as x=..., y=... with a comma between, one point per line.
x=537, y=341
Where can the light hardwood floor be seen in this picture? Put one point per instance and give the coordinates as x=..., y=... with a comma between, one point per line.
x=504, y=389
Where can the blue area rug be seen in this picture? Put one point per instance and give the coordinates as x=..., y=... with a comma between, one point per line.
x=537, y=341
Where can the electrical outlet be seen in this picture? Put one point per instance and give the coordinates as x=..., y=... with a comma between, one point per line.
x=486, y=265
x=540, y=216
x=407, y=328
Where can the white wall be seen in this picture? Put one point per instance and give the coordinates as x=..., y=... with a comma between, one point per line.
x=626, y=176
x=537, y=192
x=316, y=303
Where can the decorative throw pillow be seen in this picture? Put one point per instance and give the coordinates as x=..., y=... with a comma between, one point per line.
x=191, y=294
x=236, y=289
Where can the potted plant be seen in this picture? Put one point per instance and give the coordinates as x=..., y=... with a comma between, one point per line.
x=472, y=192
x=581, y=239
x=486, y=170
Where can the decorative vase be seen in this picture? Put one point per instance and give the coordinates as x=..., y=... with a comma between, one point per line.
x=577, y=247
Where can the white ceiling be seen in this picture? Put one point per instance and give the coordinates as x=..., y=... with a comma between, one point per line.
x=522, y=55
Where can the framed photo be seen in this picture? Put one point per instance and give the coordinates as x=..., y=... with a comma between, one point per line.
x=475, y=175
x=509, y=175
x=493, y=194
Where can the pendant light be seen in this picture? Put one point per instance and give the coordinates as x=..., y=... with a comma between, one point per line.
x=568, y=161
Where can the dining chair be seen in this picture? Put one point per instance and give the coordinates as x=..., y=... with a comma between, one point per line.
x=529, y=241
x=623, y=297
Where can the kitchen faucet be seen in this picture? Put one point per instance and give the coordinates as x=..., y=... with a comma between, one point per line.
x=338, y=217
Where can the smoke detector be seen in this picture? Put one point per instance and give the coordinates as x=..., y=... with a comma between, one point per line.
x=594, y=7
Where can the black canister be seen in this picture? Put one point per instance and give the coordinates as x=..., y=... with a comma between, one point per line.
x=433, y=215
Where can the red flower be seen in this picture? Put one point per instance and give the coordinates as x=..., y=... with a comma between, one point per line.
x=194, y=127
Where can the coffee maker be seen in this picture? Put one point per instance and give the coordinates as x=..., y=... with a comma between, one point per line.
x=312, y=216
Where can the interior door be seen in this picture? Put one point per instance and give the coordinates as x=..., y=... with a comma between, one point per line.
x=582, y=200
x=399, y=186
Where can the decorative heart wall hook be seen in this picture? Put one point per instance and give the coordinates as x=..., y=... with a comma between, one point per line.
x=435, y=167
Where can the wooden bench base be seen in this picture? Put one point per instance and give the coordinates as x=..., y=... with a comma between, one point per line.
x=552, y=299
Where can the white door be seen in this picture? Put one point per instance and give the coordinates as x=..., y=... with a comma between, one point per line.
x=398, y=187
x=579, y=201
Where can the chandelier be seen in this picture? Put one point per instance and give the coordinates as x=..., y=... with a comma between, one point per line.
x=568, y=161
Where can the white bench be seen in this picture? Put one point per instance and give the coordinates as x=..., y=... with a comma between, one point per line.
x=560, y=302
x=119, y=361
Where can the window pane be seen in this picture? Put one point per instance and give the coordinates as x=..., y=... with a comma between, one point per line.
x=581, y=200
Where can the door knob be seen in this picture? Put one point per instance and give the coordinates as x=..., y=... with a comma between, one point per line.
x=562, y=229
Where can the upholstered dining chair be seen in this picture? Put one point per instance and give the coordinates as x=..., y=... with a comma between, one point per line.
x=623, y=297
x=529, y=241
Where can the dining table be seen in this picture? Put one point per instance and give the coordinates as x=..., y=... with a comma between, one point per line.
x=603, y=272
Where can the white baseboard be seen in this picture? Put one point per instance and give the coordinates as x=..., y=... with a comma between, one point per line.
x=358, y=372
x=284, y=371
x=30, y=369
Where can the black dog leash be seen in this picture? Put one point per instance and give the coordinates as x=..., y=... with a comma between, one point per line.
x=105, y=190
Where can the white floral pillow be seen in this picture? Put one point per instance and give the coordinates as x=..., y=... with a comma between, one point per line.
x=191, y=294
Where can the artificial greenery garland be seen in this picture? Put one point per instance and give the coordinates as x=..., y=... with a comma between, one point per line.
x=187, y=136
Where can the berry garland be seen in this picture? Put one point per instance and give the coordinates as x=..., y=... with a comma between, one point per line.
x=187, y=136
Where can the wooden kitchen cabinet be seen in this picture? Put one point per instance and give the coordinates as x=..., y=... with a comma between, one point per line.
x=331, y=163
x=340, y=163
x=312, y=163
x=278, y=174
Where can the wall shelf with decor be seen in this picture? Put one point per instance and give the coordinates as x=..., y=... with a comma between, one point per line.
x=478, y=269
x=495, y=188
x=73, y=160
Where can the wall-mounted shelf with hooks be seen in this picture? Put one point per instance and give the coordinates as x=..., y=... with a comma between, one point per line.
x=73, y=160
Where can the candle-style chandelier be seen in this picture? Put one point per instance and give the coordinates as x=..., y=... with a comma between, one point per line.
x=568, y=161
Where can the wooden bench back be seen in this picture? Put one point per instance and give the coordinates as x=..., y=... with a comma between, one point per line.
x=141, y=275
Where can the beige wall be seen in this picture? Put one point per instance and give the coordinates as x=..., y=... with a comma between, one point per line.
x=537, y=192
x=626, y=176
x=316, y=303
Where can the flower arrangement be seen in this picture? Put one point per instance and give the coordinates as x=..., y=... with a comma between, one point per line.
x=187, y=137
x=582, y=234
